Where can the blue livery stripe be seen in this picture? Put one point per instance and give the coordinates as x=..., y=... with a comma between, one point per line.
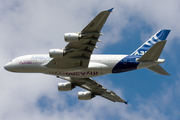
x=159, y=36
x=126, y=64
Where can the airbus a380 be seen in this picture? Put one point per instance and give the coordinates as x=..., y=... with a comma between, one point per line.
x=76, y=64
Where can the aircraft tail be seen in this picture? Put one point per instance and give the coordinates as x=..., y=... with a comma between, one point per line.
x=161, y=35
x=151, y=50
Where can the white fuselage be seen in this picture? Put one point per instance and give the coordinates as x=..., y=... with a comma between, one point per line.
x=98, y=65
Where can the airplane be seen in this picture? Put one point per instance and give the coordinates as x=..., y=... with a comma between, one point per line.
x=76, y=64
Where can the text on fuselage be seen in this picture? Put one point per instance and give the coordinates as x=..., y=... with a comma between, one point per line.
x=74, y=73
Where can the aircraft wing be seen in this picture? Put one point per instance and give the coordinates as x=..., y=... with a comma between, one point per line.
x=78, y=53
x=94, y=87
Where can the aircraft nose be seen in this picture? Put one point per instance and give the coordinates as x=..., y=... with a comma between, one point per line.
x=8, y=66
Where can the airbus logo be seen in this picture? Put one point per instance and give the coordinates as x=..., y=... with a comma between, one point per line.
x=140, y=52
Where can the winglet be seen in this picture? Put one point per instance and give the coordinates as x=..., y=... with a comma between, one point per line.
x=110, y=10
x=126, y=102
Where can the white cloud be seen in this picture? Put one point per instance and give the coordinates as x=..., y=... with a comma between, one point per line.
x=35, y=26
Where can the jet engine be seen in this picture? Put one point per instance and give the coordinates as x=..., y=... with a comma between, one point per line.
x=56, y=53
x=86, y=95
x=67, y=86
x=72, y=37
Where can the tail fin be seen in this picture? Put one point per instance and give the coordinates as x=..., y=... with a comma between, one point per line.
x=161, y=35
x=151, y=50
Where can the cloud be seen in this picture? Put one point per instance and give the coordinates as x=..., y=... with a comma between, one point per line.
x=36, y=26
x=37, y=98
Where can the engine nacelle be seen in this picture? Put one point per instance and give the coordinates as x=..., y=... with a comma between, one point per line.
x=67, y=86
x=72, y=37
x=86, y=95
x=56, y=53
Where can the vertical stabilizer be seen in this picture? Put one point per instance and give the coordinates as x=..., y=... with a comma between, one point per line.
x=161, y=35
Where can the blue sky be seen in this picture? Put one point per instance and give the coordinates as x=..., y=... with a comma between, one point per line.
x=35, y=26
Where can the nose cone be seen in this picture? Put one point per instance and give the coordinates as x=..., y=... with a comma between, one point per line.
x=8, y=66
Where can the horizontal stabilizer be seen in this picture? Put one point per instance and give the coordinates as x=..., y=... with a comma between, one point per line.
x=158, y=69
x=154, y=52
